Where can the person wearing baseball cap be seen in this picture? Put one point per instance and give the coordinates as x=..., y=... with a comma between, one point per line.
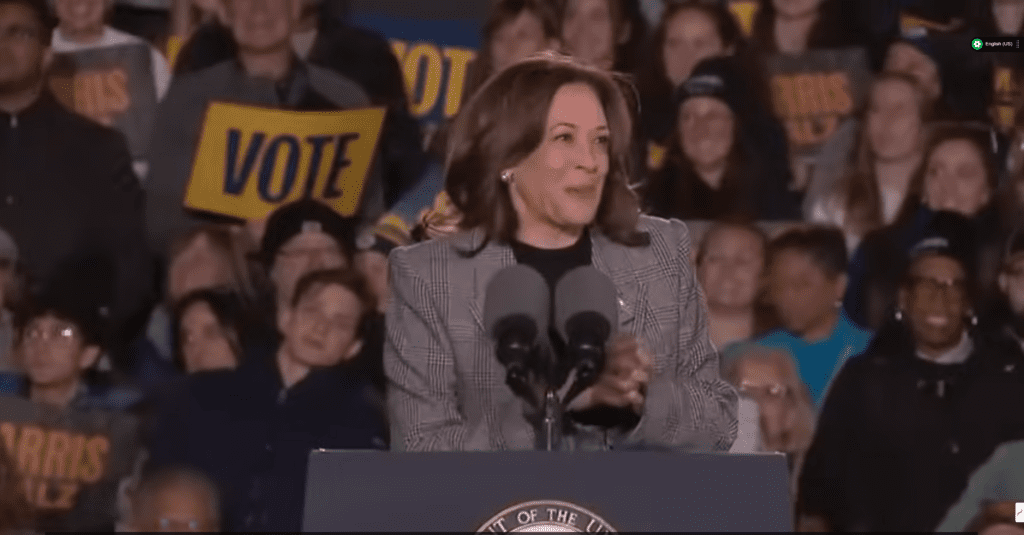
x=302, y=237
x=927, y=393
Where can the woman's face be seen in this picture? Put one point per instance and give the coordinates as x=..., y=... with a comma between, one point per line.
x=197, y=267
x=803, y=294
x=762, y=380
x=894, y=120
x=690, y=37
x=796, y=8
x=559, y=185
x=204, y=343
x=731, y=268
x=955, y=179
x=589, y=32
x=908, y=59
x=517, y=39
x=707, y=130
x=1009, y=15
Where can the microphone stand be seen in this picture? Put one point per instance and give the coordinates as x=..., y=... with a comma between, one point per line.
x=554, y=412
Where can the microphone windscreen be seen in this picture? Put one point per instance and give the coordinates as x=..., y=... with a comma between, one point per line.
x=517, y=291
x=585, y=290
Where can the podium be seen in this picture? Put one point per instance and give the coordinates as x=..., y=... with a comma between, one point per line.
x=544, y=491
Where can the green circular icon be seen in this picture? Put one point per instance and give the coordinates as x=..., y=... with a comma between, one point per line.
x=976, y=44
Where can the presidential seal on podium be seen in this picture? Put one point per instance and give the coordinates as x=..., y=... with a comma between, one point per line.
x=546, y=516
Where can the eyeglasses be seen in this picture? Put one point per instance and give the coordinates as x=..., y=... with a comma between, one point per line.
x=338, y=322
x=59, y=334
x=769, y=391
x=931, y=286
x=19, y=33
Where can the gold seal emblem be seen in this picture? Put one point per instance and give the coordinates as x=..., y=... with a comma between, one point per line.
x=546, y=516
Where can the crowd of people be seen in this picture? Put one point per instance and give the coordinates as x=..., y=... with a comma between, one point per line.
x=864, y=313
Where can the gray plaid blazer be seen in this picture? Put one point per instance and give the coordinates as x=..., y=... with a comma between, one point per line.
x=446, y=388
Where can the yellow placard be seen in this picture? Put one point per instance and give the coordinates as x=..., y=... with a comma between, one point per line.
x=251, y=160
x=174, y=44
x=744, y=11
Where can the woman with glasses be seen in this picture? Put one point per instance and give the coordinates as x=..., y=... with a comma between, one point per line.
x=905, y=423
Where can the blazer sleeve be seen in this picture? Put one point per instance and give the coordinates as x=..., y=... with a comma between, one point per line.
x=688, y=404
x=424, y=408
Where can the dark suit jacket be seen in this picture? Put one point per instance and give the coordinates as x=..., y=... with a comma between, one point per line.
x=446, y=388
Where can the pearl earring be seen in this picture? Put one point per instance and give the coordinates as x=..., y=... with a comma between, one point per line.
x=507, y=177
x=899, y=315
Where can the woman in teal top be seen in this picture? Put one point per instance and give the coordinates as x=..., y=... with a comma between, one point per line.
x=806, y=282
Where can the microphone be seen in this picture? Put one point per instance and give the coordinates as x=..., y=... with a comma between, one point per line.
x=516, y=310
x=586, y=315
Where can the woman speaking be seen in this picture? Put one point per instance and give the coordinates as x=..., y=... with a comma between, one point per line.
x=538, y=163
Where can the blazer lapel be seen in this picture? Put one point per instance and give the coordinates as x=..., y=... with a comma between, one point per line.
x=486, y=264
x=614, y=261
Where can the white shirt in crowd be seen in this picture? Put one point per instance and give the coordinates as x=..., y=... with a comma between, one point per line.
x=112, y=37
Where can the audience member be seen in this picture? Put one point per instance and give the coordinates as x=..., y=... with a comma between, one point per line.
x=867, y=189
x=300, y=238
x=993, y=18
x=82, y=26
x=688, y=33
x=608, y=34
x=210, y=328
x=515, y=30
x=323, y=39
x=771, y=379
x=208, y=257
x=919, y=398
x=806, y=282
x=175, y=500
x=795, y=26
x=715, y=167
x=265, y=73
x=991, y=493
x=915, y=54
x=730, y=265
x=62, y=332
x=956, y=175
x=252, y=430
x=68, y=186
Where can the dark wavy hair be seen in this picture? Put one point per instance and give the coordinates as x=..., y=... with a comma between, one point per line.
x=654, y=83
x=502, y=13
x=504, y=123
x=229, y=311
x=977, y=135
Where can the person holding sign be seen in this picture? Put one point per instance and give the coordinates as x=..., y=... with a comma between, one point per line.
x=243, y=155
x=66, y=183
x=105, y=89
x=538, y=169
x=252, y=430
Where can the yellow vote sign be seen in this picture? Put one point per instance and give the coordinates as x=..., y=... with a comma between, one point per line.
x=251, y=160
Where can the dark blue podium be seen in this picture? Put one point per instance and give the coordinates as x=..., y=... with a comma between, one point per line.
x=550, y=492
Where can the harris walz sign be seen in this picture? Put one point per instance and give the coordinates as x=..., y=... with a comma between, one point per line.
x=113, y=86
x=813, y=92
x=71, y=464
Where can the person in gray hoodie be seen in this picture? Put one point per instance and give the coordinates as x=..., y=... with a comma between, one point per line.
x=265, y=72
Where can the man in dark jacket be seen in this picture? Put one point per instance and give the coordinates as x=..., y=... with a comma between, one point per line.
x=252, y=430
x=66, y=184
x=906, y=423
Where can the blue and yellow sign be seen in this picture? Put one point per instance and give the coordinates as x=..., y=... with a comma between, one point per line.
x=252, y=160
